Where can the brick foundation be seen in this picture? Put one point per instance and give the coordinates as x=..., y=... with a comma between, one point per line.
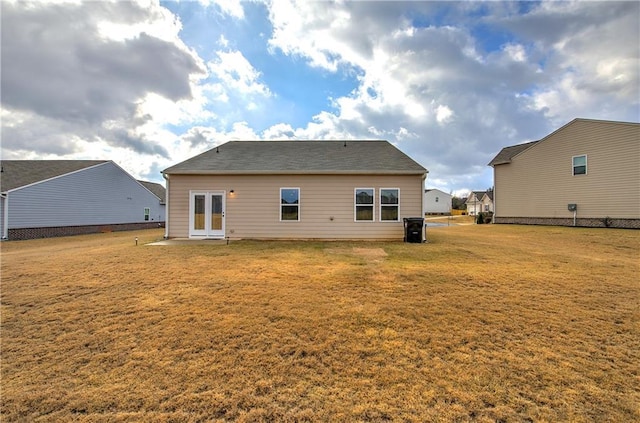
x=56, y=231
x=582, y=222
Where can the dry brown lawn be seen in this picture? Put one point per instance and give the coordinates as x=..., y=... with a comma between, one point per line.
x=483, y=323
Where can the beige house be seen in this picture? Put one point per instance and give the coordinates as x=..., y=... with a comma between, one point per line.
x=294, y=190
x=479, y=202
x=587, y=173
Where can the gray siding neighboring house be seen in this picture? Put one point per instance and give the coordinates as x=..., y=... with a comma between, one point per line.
x=44, y=198
x=295, y=190
x=592, y=164
x=160, y=192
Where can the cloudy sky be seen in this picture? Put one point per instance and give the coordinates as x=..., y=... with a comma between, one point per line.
x=150, y=84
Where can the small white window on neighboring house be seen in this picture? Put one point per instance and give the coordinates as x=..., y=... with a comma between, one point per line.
x=147, y=212
x=290, y=204
x=580, y=165
x=389, y=204
x=364, y=204
x=437, y=199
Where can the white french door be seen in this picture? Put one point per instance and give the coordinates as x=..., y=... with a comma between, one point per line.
x=206, y=214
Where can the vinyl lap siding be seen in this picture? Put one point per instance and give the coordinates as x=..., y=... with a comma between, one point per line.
x=253, y=210
x=104, y=194
x=539, y=182
x=442, y=206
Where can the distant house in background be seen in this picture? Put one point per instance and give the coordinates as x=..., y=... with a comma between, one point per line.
x=295, y=190
x=587, y=173
x=47, y=198
x=479, y=201
x=437, y=202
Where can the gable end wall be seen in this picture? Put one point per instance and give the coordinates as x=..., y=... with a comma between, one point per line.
x=538, y=184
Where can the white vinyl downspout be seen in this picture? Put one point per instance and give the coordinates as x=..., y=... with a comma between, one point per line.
x=424, y=225
x=166, y=207
x=5, y=217
x=495, y=201
x=424, y=179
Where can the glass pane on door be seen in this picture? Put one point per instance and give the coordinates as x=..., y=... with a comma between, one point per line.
x=198, y=212
x=216, y=212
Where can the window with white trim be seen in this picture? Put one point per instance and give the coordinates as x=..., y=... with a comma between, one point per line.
x=580, y=165
x=363, y=199
x=147, y=213
x=389, y=204
x=290, y=204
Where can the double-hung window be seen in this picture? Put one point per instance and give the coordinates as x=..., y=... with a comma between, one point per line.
x=147, y=213
x=364, y=204
x=580, y=165
x=389, y=204
x=290, y=204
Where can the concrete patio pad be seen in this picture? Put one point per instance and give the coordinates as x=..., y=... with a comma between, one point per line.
x=189, y=241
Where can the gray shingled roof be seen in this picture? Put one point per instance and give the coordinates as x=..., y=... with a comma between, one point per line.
x=18, y=173
x=157, y=189
x=506, y=154
x=489, y=194
x=317, y=157
x=477, y=194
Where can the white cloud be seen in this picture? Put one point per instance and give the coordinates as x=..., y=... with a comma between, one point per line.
x=314, y=31
x=235, y=71
x=279, y=131
x=156, y=22
x=443, y=114
x=516, y=52
x=232, y=8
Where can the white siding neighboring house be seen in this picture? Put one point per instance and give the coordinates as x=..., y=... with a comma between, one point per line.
x=487, y=202
x=45, y=198
x=586, y=173
x=479, y=202
x=295, y=190
x=437, y=202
